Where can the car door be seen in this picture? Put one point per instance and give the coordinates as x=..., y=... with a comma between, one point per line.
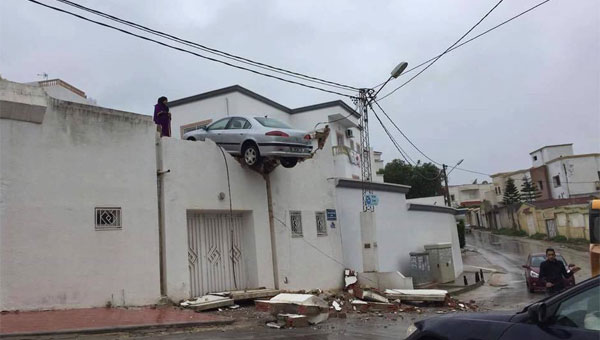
x=235, y=134
x=577, y=316
x=215, y=131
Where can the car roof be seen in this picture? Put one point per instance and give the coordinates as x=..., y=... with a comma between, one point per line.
x=542, y=254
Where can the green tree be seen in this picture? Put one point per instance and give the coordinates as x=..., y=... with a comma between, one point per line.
x=511, y=198
x=529, y=191
x=424, y=179
x=511, y=193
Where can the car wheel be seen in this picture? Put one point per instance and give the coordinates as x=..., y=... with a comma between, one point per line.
x=289, y=162
x=251, y=154
x=192, y=139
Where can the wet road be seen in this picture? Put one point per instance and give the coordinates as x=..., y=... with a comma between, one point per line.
x=508, y=254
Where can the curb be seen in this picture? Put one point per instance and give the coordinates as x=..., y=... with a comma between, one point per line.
x=120, y=328
x=464, y=289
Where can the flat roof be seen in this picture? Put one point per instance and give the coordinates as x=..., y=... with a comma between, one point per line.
x=263, y=99
x=510, y=173
x=575, y=156
x=549, y=146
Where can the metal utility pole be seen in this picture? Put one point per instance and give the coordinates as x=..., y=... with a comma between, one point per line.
x=365, y=146
x=447, y=193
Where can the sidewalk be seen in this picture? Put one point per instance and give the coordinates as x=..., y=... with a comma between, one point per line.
x=100, y=320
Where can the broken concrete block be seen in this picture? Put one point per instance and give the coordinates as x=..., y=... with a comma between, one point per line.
x=336, y=306
x=207, y=302
x=369, y=295
x=417, y=294
x=275, y=325
x=315, y=308
x=293, y=320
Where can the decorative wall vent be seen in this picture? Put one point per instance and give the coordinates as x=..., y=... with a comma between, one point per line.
x=108, y=218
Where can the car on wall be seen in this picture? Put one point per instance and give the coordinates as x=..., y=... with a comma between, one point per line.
x=572, y=314
x=532, y=272
x=256, y=138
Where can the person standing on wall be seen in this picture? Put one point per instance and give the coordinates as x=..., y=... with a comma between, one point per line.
x=162, y=117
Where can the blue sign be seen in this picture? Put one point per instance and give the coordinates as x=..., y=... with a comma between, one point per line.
x=331, y=215
x=371, y=200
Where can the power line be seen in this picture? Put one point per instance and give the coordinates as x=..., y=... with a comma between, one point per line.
x=208, y=49
x=190, y=52
x=464, y=43
x=417, y=148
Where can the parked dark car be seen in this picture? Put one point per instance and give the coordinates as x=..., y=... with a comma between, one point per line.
x=532, y=272
x=572, y=314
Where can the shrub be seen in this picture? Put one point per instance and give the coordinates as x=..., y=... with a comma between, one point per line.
x=559, y=238
x=578, y=241
x=538, y=236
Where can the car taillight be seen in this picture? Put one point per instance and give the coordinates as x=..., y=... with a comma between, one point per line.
x=307, y=137
x=277, y=133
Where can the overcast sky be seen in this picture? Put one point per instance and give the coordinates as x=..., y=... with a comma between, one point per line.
x=532, y=82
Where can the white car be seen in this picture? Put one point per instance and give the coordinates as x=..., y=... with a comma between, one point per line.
x=254, y=138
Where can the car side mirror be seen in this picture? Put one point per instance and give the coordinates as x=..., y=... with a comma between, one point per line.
x=537, y=312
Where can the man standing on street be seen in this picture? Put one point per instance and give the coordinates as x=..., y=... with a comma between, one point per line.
x=553, y=272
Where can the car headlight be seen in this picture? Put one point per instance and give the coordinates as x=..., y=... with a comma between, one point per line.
x=534, y=274
x=411, y=329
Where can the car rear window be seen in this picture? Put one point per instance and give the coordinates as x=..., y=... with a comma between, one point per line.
x=537, y=260
x=271, y=123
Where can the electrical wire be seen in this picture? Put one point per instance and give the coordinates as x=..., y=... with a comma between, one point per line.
x=189, y=52
x=446, y=51
x=463, y=43
x=208, y=49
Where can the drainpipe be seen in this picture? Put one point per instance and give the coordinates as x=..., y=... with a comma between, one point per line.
x=272, y=230
x=567, y=180
x=161, y=218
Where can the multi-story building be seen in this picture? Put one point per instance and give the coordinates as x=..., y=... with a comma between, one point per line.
x=499, y=181
x=468, y=195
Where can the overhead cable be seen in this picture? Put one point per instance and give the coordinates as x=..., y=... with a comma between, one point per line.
x=189, y=52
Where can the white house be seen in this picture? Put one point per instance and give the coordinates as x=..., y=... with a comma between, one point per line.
x=96, y=209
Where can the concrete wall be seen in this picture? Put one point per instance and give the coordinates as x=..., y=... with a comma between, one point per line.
x=399, y=231
x=433, y=200
x=59, y=92
x=546, y=154
x=52, y=177
x=539, y=176
x=572, y=221
x=578, y=176
x=197, y=176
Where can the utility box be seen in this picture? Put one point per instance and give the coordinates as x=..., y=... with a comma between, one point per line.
x=440, y=260
x=420, y=270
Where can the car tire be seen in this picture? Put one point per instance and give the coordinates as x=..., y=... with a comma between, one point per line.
x=251, y=154
x=289, y=162
x=191, y=139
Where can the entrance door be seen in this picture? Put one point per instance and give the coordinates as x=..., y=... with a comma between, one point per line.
x=215, y=254
x=551, y=228
x=531, y=224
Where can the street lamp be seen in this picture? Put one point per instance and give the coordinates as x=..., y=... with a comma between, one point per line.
x=396, y=72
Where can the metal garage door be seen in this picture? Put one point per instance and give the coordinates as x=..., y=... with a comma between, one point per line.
x=215, y=254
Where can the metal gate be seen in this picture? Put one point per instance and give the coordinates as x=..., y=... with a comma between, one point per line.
x=551, y=228
x=215, y=254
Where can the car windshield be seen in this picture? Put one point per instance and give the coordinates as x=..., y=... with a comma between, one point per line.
x=271, y=123
x=537, y=260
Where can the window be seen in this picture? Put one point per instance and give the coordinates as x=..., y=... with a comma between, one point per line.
x=351, y=144
x=238, y=124
x=296, y=223
x=556, y=181
x=219, y=125
x=580, y=311
x=321, y=223
x=535, y=158
x=272, y=123
x=108, y=218
x=541, y=185
x=340, y=139
x=452, y=198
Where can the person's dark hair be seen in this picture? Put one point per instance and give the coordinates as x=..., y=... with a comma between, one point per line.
x=550, y=249
x=162, y=99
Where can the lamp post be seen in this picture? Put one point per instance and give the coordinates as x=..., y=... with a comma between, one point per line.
x=365, y=98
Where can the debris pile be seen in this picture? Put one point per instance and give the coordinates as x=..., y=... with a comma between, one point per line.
x=294, y=310
x=226, y=299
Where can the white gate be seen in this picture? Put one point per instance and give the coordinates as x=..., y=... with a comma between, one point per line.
x=531, y=224
x=215, y=255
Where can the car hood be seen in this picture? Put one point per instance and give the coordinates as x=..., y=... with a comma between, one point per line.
x=502, y=317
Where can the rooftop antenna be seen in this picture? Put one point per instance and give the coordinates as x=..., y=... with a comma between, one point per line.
x=43, y=75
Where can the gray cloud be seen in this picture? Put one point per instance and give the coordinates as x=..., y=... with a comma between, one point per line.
x=533, y=82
